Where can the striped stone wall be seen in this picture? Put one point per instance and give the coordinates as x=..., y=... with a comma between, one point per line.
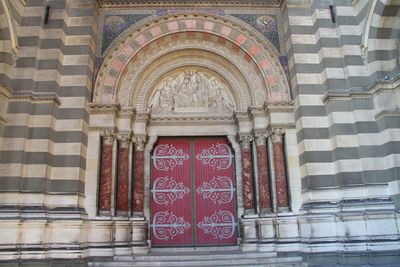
x=42, y=163
x=346, y=136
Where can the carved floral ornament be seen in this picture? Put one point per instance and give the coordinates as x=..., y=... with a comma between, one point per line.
x=191, y=91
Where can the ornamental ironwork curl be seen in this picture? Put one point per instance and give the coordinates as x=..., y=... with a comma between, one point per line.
x=217, y=156
x=167, y=157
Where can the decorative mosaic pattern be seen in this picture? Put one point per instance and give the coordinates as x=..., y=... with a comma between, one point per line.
x=211, y=11
x=115, y=24
x=266, y=24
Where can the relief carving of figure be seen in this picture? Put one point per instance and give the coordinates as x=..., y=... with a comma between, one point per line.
x=191, y=91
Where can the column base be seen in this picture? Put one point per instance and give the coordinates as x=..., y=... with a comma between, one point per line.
x=265, y=212
x=249, y=214
x=283, y=209
x=138, y=216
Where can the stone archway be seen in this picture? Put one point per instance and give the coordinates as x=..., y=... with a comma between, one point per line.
x=236, y=88
x=232, y=40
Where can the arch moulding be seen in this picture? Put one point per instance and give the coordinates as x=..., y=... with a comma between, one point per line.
x=236, y=53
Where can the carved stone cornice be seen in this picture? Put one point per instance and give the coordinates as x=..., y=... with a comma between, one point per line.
x=108, y=136
x=139, y=141
x=287, y=106
x=192, y=120
x=126, y=112
x=277, y=134
x=100, y=108
x=241, y=116
x=359, y=92
x=124, y=138
x=186, y=3
x=28, y=95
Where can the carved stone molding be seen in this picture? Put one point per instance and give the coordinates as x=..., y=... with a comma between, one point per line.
x=206, y=59
x=277, y=134
x=159, y=120
x=126, y=112
x=271, y=74
x=124, y=138
x=287, y=106
x=139, y=141
x=34, y=97
x=185, y=3
x=99, y=108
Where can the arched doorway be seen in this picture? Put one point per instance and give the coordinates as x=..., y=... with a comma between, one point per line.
x=191, y=76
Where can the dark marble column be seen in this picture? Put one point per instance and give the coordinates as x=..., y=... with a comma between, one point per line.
x=123, y=174
x=138, y=182
x=280, y=169
x=248, y=190
x=106, y=172
x=263, y=174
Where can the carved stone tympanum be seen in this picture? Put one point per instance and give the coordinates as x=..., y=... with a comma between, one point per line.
x=191, y=91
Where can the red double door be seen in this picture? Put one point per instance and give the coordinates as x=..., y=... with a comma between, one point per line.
x=193, y=192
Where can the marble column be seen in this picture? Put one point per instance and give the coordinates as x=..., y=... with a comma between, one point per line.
x=108, y=137
x=263, y=174
x=280, y=169
x=138, y=182
x=247, y=174
x=123, y=173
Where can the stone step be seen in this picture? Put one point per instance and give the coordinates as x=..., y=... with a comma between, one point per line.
x=198, y=263
x=202, y=258
x=194, y=256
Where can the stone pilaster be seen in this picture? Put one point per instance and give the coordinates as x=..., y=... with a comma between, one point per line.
x=248, y=190
x=280, y=169
x=124, y=140
x=263, y=174
x=108, y=137
x=138, y=183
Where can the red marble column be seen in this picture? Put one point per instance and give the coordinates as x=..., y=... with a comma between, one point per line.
x=280, y=170
x=106, y=173
x=138, y=183
x=248, y=191
x=123, y=174
x=263, y=175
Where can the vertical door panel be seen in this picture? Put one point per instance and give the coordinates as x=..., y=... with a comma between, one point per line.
x=215, y=219
x=171, y=200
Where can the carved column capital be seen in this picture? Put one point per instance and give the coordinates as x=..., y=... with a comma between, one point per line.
x=245, y=140
x=124, y=138
x=261, y=137
x=140, y=141
x=277, y=134
x=108, y=136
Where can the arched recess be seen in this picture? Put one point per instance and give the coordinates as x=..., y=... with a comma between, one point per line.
x=8, y=43
x=238, y=54
x=382, y=22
